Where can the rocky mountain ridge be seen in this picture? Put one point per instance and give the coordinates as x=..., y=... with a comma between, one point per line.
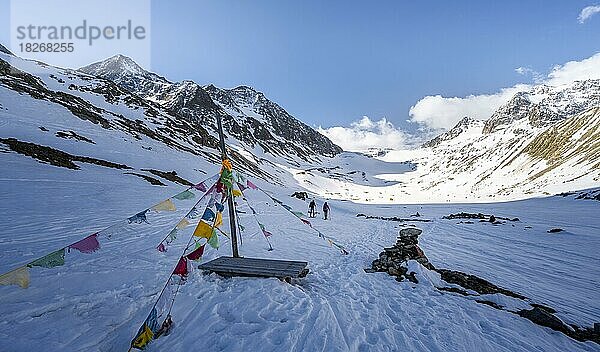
x=248, y=116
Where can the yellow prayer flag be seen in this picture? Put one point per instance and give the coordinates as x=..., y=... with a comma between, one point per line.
x=166, y=205
x=19, y=276
x=143, y=338
x=219, y=219
x=237, y=193
x=182, y=224
x=227, y=164
x=203, y=230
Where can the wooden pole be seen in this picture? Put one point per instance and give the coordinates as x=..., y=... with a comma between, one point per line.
x=230, y=205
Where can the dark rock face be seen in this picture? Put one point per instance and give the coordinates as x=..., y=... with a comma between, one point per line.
x=544, y=318
x=300, y=195
x=474, y=283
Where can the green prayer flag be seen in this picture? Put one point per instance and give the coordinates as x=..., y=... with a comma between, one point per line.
x=227, y=178
x=173, y=234
x=51, y=260
x=298, y=213
x=213, y=241
x=185, y=195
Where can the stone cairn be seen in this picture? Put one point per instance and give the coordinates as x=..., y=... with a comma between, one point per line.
x=393, y=259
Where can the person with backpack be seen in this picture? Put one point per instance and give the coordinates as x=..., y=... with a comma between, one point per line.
x=326, y=210
x=311, y=209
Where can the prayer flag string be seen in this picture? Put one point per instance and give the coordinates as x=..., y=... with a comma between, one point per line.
x=20, y=276
x=299, y=215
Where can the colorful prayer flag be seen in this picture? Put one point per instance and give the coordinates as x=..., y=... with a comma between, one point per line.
x=196, y=254
x=213, y=241
x=267, y=233
x=298, y=214
x=220, y=207
x=218, y=219
x=51, y=260
x=306, y=222
x=211, y=202
x=89, y=244
x=139, y=218
x=208, y=215
x=251, y=185
x=193, y=213
x=182, y=224
x=143, y=337
x=185, y=195
x=165, y=205
x=227, y=165
x=236, y=193
x=203, y=230
x=242, y=187
x=173, y=235
x=181, y=269
x=19, y=276
x=200, y=186
x=161, y=248
x=226, y=178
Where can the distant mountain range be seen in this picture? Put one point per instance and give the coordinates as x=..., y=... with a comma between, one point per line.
x=545, y=140
x=542, y=139
x=248, y=116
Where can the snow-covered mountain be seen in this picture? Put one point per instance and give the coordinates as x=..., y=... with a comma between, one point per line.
x=543, y=141
x=257, y=123
x=544, y=105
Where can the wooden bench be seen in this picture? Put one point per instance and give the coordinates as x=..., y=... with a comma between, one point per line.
x=254, y=267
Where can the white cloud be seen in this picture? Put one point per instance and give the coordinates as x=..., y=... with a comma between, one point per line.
x=442, y=113
x=575, y=71
x=526, y=71
x=588, y=12
x=366, y=133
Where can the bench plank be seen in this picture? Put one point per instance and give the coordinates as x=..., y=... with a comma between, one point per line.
x=255, y=267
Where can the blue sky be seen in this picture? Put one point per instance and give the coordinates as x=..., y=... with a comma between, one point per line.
x=331, y=62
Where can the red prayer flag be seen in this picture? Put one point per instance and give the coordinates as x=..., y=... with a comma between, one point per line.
x=251, y=185
x=197, y=253
x=306, y=222
x=181, y=268
x=161, y=248
x=89, y=244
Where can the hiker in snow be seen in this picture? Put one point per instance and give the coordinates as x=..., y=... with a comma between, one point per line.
x=326, y=210
x=311, y=209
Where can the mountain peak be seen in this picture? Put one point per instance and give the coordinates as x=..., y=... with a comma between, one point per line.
x=3, y=49
x=464, y=125
x=117, y=64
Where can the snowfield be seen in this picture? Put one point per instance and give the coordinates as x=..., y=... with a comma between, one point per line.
x=98, y=301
